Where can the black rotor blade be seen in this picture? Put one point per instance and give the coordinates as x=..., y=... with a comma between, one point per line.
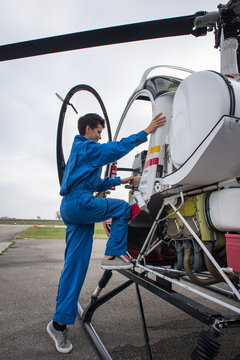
x=99, y=37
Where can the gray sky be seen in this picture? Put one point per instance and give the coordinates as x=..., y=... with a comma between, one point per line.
x=29, y=108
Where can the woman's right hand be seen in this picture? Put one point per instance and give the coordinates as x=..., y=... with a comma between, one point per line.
x=157, y=121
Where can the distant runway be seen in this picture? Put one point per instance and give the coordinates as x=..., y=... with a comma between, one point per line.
x=8, y=232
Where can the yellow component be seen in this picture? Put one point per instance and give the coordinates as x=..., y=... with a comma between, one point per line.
x=188, y=209
x=195, y=207
x=221, y=241
x=205, y=231
x=153, y=149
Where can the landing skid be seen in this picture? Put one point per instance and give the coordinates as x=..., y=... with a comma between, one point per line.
x=207, y=345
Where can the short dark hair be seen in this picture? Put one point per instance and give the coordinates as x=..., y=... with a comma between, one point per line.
x=90, y=119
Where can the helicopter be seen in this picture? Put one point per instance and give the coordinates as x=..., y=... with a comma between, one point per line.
x=186, y=204
x=185, y=224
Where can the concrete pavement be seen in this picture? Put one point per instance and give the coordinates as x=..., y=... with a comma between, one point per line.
x=29, y=273
x=7, y=235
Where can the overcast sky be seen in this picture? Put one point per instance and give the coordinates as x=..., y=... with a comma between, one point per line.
x=29, y=108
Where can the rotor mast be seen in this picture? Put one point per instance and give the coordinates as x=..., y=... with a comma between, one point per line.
x=226, y=24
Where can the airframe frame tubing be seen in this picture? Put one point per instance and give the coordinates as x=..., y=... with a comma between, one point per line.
x=182, y=302
x=144, y=327
x=88, y=312
x=189, y=288
x=151, y=232
x=86, y=316
x=207, y=252
x=133, y=97
x=153, y=246
x=154, y=226
x=94, y=336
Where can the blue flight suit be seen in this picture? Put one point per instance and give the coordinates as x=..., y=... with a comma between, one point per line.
x=80, y=210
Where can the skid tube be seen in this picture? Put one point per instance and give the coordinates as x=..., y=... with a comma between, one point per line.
x=162, y=289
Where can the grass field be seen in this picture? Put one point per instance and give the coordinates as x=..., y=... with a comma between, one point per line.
x=30, y=222
x=46, y=232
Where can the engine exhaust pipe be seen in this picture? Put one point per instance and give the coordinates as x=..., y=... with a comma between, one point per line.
x=187, y=266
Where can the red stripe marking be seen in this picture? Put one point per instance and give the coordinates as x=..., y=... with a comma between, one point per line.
x=151, y=162
x=134, y=211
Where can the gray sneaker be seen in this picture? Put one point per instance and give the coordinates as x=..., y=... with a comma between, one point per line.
x=115, y=264
x=62, y=343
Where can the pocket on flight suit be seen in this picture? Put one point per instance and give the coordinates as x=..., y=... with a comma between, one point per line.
x=95, y=208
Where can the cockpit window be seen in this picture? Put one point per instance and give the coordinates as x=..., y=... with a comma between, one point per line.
x=159, y=85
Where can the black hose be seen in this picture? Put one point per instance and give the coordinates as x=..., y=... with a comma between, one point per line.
x=105, y=278
x=207, y=345
x=60, y=157
x=237, y=357
x=101, y=284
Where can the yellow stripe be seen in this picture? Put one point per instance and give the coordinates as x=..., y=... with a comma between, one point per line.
x=154, y=149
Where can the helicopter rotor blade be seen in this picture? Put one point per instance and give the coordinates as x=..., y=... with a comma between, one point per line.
x=99, y=37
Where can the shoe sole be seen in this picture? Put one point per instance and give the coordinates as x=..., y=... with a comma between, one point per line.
x=58, y=349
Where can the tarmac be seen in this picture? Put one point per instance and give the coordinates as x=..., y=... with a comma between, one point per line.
x=29, y=274
x=4, y=245
x=7, y=235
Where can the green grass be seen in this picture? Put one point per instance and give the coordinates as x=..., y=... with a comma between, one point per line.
x=42, y=233
x=56, y=233
x=30, y=222
x=99, y=232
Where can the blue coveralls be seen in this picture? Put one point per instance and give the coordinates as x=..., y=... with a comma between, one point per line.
x=80, y=210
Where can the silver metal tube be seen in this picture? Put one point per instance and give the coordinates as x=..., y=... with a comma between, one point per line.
x=130, y=101
x=152, y=248
x=189, y=288
x=151, y=232
x=153, y=228
x=94, y=336
x=182, y=273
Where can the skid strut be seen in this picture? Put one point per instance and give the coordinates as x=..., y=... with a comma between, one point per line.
x=162, y=289
x=86, y=315
x=144, y=327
